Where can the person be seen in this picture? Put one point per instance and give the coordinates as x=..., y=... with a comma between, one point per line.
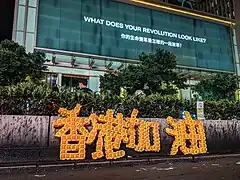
x=83, y=86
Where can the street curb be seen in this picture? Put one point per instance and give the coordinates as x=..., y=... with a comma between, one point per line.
x=116, y=163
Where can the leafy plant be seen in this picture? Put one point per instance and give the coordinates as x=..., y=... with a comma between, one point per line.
x=154, y=74
x=217, y=87
x=16, y=64
x=28, y=98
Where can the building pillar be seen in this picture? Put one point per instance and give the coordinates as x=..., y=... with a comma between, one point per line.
x=236, y=33
x=235, y=51
x=59, y=80
x=94, y=82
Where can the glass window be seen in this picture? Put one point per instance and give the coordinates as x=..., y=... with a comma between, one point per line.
x=31, y=19
x=72, y=81
x=101, y=27
x=19, y=38
x=94, y=84
x=32, y=3
x=51, y=79
x=29, y=42
x=21, y=18
x=22, y=2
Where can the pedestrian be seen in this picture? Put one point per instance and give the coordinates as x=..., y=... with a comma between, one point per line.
x=83, y=86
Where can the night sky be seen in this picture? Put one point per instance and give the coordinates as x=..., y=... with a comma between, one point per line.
x=6, y=19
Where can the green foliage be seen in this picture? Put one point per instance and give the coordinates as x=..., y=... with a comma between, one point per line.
x=217, y=87
x=16, y=64
x=154, y=74
x=223, y=109
x=41, y=99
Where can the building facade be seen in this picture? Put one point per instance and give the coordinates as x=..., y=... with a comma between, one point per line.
x=222, y=8
x=87, y=38
x=237, y=27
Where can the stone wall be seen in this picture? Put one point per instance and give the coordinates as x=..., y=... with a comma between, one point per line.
x=34, y=136
x=24, y=131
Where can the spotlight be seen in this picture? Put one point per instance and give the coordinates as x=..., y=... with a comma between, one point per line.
x=109, y=65
x=91, y=62
x=54, y=59
x=121, y=66
x=73, y=60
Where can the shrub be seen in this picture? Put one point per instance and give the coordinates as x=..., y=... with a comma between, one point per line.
x=32, y=99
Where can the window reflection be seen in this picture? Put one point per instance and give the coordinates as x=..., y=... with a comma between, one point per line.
x=72, y=81
x=51, y=79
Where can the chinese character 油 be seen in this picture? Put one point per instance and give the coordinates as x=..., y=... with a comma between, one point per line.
x=189, y=136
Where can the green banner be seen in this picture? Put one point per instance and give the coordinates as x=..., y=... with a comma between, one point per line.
x=114, y=29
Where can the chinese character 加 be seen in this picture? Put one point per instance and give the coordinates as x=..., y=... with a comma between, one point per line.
x=143, y=142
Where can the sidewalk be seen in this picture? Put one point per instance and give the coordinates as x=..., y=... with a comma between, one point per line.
x=38, y=165
x=227, y=168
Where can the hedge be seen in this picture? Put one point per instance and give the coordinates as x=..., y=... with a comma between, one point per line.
x=32, y=99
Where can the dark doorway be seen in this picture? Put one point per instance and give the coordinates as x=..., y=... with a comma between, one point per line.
x=6, y=19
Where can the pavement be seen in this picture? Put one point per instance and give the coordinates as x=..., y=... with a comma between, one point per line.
x=212, y=169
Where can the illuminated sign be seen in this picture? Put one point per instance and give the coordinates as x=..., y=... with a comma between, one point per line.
x=187, y=130
x=110, y=132
x=114, y=29
x=146, y=30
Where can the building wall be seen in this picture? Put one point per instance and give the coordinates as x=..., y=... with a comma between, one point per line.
x=27, y=20
x=33, y=137
x=223, y=8
x=102, y=28
x=237, y=31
